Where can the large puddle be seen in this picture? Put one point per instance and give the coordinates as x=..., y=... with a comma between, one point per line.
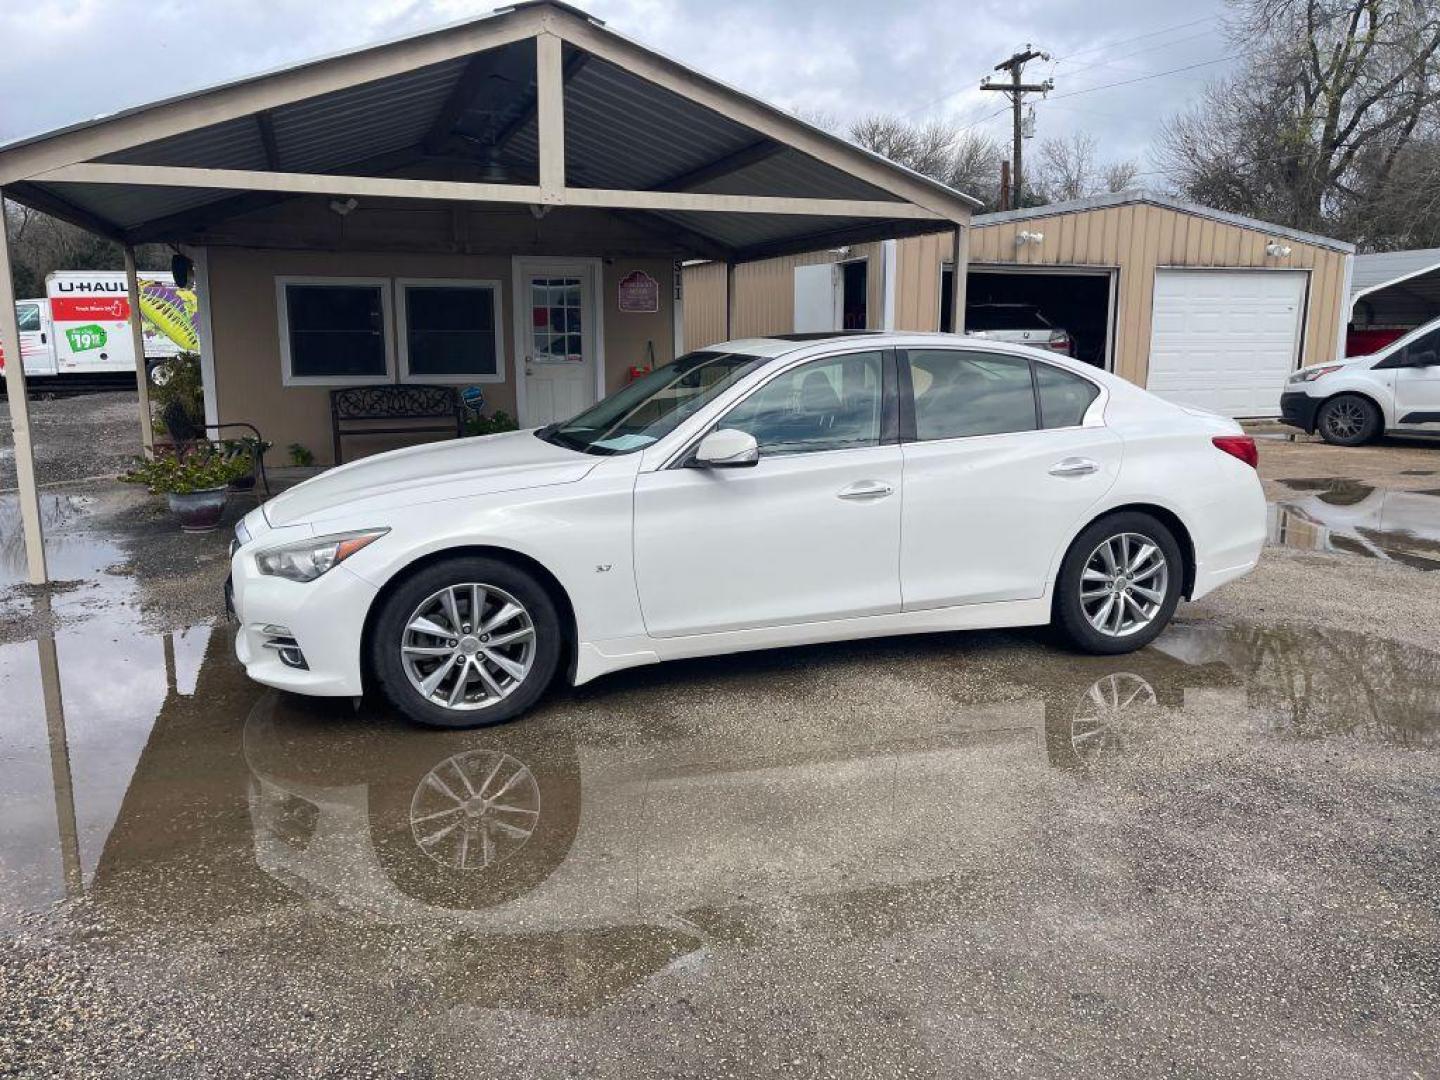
x=1343, y=515
x=147, y=773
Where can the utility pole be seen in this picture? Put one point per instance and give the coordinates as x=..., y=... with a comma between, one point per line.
x=1017, y=88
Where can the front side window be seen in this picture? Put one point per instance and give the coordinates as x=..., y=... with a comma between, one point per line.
x=450, y=330
x=959, y=393
x=29, y=316
x=335, y=331
x=830, y=404
x=1424, y=351
x=653, y=406
x=1064, y=396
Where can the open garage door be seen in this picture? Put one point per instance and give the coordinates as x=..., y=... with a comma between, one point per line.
x=1226, y=340
x=1075, y=300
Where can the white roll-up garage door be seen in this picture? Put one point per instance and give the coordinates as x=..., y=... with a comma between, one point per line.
x=1226, y=340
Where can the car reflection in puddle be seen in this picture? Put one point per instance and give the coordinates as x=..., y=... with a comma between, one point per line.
x=1343, y=515
x=158, y=781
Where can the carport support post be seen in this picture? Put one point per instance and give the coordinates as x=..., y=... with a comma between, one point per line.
x=960, y=255
x=19, y=414
x=730, y=300
x=137, y=335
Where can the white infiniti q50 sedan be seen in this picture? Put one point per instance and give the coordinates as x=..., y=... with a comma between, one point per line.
x=758, y=493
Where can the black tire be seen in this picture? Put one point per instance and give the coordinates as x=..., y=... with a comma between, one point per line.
x=1070, y=618
x=388, y=669
x=1349, y=420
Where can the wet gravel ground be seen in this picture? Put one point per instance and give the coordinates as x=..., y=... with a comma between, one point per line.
x=75, y=436
x=956, y=855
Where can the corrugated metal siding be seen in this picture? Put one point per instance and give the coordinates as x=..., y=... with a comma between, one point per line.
x=765, y=294
x=1136, y=238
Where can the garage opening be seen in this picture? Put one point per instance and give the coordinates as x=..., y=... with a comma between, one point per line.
x=1067, y=310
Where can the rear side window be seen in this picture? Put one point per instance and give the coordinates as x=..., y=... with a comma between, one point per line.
x=970, y=393
x=1064, y=396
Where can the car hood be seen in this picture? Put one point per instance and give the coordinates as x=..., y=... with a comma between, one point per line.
x=1344, y=362
x=430, y=472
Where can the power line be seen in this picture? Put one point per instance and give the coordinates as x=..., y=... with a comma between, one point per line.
x=1153, y=75
x=1138, y=37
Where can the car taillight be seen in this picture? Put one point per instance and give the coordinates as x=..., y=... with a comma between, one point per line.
x=1060, y=342
x=1239, y=446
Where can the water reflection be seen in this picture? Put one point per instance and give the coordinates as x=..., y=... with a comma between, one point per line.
x=1343, y=515
x=151, y=776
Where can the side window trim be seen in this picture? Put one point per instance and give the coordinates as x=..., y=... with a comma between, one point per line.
x=908, y=429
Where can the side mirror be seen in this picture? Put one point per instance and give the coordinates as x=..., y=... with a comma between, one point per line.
x=727, y=449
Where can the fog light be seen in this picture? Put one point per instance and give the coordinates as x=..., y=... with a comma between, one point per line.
x=286, y=647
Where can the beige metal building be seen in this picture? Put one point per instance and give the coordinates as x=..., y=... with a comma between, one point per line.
x=1203, y=306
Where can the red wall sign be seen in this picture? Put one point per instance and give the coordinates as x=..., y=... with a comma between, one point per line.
x=639, y=292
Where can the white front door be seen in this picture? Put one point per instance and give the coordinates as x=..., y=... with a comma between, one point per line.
x=1226, y=340
x=817, y=298
x=557, y=338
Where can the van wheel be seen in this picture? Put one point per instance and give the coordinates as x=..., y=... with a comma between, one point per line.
x=1119, y=584
x=1349, y=420
x=467, y=642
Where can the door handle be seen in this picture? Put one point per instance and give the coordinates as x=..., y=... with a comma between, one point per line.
x=866, y=491
x=1074, y=466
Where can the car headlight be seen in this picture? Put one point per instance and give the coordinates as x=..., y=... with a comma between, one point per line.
x=1310, y=374
x=306, y=560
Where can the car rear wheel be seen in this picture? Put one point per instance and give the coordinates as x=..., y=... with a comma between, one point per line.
x=466, y=642
x=1349, y=420
x=1119, y=584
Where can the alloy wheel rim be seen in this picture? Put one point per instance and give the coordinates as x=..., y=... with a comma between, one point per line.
x=1124, y=583
x=468, y=646
x=1346, y=419
x=1098, y=716
x=475, y=809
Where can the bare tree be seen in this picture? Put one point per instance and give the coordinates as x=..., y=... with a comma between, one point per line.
x=965, y=160
x=1069, y=169
x=40, y=244
x=1339, y=100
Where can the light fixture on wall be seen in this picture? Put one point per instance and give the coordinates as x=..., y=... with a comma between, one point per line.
x=1023, y=238
x=1277, y=250
x=343, y=206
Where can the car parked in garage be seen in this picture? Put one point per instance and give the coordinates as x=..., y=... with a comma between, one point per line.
x=1354, y=401
x=760, y=493
x=1022, y=324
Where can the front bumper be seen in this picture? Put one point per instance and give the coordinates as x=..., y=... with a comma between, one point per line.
x=325, y=617
x=1298, y=409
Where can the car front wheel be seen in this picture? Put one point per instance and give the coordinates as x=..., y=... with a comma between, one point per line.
x=1348, y=420
x=1119, y=584
x=466, y=642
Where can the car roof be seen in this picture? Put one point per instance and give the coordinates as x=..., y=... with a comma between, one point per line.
x=780, y=344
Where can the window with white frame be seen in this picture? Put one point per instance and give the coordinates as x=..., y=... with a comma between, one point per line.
x=449, y=330
x=334, y=331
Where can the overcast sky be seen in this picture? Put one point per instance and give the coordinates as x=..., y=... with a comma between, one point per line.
x=68, y=60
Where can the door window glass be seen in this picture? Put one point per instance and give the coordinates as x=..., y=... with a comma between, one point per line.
x=970, y=393
x=1064, y=396
x=556, y=321
x=830, y=404
x=29, y=315
x=1424, y=351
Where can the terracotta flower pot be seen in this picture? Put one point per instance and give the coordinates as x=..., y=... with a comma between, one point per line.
x=199, y=511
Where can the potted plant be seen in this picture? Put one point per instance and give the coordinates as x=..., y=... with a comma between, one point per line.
x=248, y=450
x=194, y=479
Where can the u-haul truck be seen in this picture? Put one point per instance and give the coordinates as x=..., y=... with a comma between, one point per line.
x=82, y=326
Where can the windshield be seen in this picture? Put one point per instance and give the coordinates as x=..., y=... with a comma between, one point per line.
x=653, y=406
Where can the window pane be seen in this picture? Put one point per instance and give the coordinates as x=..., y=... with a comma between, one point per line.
x=825, y=405
x=450, y=330
x=336, y=330
x=1064, y=397
x=29, y=317
x=970, y=393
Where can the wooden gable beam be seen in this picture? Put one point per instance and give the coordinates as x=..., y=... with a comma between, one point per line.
x=733, y=162
x=528, y=113
x=265, y=124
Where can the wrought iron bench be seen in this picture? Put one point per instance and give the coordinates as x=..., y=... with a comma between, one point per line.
x=357, y=410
